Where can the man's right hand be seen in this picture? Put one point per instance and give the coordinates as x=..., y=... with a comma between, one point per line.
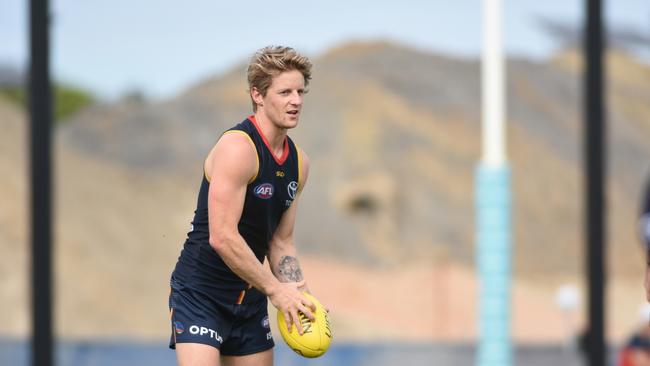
x=288, y=299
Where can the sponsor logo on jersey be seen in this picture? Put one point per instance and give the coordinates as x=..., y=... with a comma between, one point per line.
x=265, y=322
x=263, y=191
x=292, y=188
x=202, y=331
x=178, y=327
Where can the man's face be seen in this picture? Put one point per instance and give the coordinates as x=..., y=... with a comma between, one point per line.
x=284, y=98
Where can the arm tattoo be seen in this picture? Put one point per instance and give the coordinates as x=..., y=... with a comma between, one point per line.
x=289, y=269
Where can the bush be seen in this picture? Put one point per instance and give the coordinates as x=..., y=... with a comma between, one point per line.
x=68, y=100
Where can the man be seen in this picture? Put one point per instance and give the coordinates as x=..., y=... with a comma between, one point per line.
x=644, y=228
x=245, y=213
x=636, y=351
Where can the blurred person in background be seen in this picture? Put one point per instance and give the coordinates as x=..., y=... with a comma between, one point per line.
x=245, y=214
x=636, y=351
x=644, y=229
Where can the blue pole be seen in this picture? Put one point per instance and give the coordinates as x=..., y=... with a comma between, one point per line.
x=493, y=240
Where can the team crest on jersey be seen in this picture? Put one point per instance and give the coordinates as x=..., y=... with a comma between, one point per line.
x=292, y=188
x=263, y=191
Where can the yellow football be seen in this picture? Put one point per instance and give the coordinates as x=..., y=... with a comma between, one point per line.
x=317, y=335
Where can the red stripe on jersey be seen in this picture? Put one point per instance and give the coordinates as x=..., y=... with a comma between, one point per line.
x=285, y=151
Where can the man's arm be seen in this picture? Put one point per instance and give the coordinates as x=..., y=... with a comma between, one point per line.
x=282, y=250
x=231, y=164
x=282, y=255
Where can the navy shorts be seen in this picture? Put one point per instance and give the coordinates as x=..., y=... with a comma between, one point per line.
x=234, y=329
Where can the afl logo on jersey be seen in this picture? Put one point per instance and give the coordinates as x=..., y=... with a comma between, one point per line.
x=292, y=188
x=263, y=191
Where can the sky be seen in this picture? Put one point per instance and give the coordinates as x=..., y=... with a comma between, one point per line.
x=162, y=47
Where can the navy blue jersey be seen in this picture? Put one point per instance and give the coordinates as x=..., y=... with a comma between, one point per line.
x=268, y=195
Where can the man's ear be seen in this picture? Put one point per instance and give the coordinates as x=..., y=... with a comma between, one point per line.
x=257, y=96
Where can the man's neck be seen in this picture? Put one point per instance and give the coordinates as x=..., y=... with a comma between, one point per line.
x=273, y=134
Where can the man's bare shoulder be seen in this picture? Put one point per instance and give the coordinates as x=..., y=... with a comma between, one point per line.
x=303, y=156
x=237, y=141
x=234, y=153
x=303, y=160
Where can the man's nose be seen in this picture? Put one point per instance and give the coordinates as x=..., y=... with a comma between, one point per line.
x=296, y=98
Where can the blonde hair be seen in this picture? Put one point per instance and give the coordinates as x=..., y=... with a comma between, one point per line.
x=271, y=61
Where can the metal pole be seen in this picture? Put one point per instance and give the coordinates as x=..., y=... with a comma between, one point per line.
x=595, y=149
x=493, y=202
x=40, y=110
x=493, y=134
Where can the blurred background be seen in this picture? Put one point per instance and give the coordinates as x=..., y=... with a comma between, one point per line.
x=386, y=226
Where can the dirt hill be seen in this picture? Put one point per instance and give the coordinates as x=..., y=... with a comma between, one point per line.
x=393, y=135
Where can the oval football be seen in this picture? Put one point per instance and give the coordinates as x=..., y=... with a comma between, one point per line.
x=317, y=335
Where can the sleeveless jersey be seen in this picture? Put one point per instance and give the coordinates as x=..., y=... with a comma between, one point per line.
x=268, y=196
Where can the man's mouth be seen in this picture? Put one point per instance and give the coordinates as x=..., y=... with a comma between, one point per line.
x=293, y=113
